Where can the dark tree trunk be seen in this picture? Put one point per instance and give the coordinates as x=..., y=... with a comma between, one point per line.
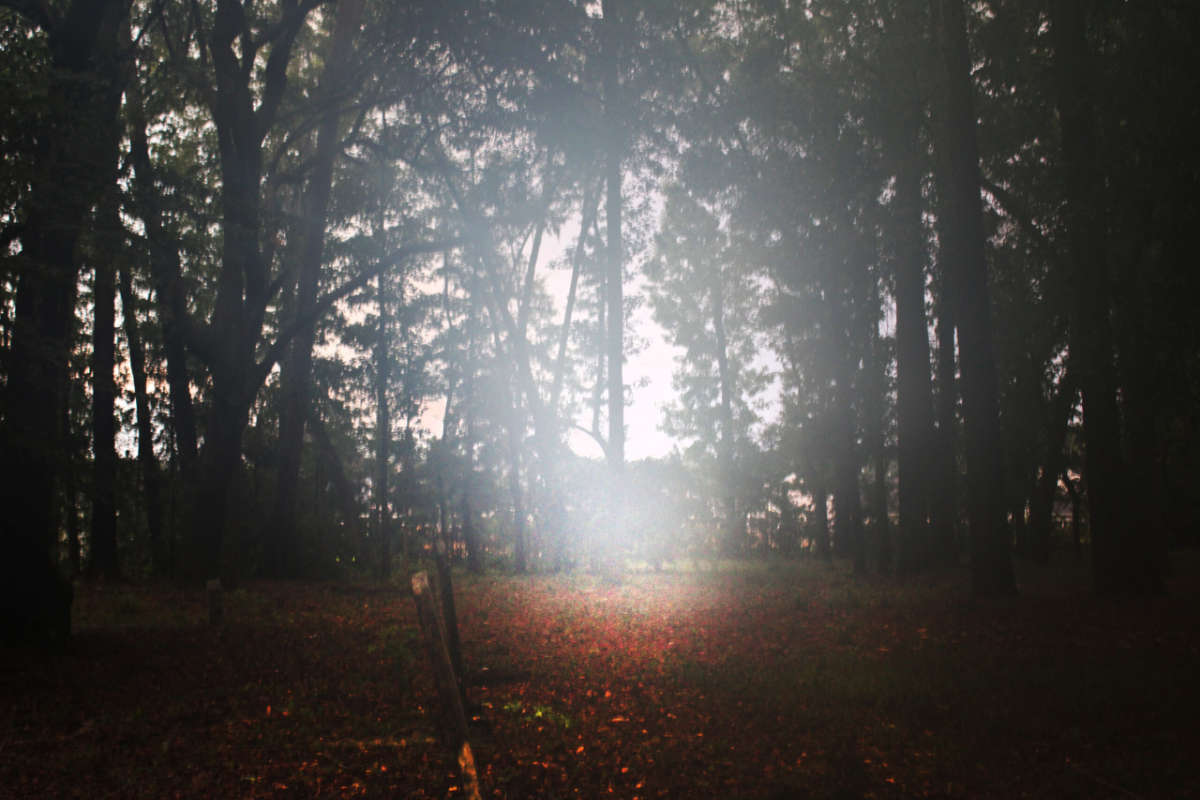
x=383, y=432
x=151, y=475
x=442, y=451
x=466, y=505
x=1076, y=515
x=104, y=562
x=1041, y=508
x=914, y=400
x=344, y=490
x=243, y=290
x=470, y=531
x=1121, y=562
x=943, y=489
x=964, y=254
x=296, y=374
x=71, y=511
x=165, y=270
x=1054, y=462
x=847, y=495
x=883, y=550
x=591, y=202
x=821, y=507
x=515, y=448
x=73, y=154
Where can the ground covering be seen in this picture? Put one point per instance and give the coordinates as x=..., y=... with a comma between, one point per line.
x=732, y=680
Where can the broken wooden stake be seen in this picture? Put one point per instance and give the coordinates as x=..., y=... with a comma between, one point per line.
x=216, y=606
x=454, y=717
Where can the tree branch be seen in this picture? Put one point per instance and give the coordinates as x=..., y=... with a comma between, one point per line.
x=327, y=302
x=595, y=436
x=275, y=77
x=1011, y=205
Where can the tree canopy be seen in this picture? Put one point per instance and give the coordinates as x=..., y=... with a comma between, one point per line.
x=304, y=287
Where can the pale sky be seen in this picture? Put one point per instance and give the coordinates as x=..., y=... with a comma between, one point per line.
x=643, y=439
x=653, y=366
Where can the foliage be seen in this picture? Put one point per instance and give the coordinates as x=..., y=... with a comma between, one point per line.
x=348, y=250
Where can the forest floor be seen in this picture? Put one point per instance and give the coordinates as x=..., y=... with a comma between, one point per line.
x=741, y=681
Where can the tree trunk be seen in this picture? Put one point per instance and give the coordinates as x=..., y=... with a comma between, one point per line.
x=914, y=401
x=383, y=432
x=883, y=550
x=230, y=342
x=166, y=272
x=520, y=529
x=590, y=203
x=1054, y=462
x=1121, y=563
x=296, y=374
x=104, y=429
x=735, y=533
x=74, y=157
x=821, y=507
x=615, y=271
x=151, y=475
x=943, y=488
x=345, y=491
x=964, y=254
x=70, y=501
x=1076, y=515
x=466, y=507
x=847, y=496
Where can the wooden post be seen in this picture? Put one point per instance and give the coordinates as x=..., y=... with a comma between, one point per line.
x=454, y=717
x=216, y=607
x=444, y=589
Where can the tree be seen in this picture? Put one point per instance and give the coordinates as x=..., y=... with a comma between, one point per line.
x=83, y=93
x=147, y=460
x=248, y=56
x=1120, y=562
x=104, y=455
x=704, y=297
x=295, y=376
x=615, y=272
x=963, y=254
x=903, y=107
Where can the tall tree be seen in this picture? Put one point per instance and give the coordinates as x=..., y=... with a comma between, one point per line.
x=147, y=461
x=105, y=253
x=1121, y=562
x=83, y=95
x=615, y=271
x=704, y=297
x=163, y=255
x=914, y=404
x=296, y=371
x=963, y=253
x=381, y=478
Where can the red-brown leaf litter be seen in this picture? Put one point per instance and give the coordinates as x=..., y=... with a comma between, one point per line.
x=718, y=681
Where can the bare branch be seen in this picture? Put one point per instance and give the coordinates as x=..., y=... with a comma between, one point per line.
x=324, y=304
